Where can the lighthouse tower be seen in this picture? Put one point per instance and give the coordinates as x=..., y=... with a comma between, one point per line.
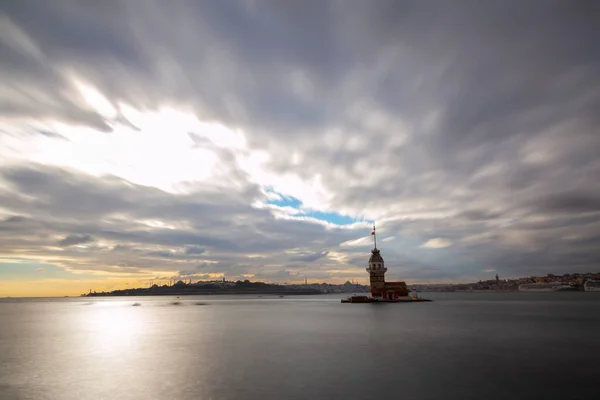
x=376, y=269
x=380, y=289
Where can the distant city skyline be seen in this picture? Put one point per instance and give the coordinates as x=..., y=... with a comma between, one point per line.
x=261, y=140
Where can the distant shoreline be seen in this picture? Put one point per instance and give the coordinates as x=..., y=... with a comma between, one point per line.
x=233, y=288
x=205, y=292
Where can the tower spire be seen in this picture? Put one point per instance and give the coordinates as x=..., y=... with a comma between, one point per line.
x=374, y=237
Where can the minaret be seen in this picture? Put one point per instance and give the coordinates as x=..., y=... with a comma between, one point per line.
x=376, y=269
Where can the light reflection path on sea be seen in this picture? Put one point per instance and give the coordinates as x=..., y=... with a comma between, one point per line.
x=152, y=351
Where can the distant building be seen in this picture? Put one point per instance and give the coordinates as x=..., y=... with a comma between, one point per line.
x=379, y=287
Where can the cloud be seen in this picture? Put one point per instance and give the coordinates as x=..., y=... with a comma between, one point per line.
x=160, y=253
x=310, y=257
x=437, y=243
x=41, y=269
x=360, y=242
x=144, y=229
x=159, y=143
x=72, y=240
x=193, y=249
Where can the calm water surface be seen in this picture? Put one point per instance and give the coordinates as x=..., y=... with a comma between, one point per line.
x=461, y=346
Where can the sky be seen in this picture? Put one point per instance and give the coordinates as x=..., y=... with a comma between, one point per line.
x=148, y=140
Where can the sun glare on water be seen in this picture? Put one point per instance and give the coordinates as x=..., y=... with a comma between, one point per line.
x=114, y=326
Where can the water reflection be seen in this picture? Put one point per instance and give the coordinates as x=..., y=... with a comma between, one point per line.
x=297, y=349
x=112, y=327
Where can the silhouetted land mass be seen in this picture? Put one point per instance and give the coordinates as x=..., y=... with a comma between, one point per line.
x=573, y=281
x=204, y=288
x=569, y=282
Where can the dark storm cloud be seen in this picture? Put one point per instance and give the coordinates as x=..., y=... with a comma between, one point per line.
x=472, y=121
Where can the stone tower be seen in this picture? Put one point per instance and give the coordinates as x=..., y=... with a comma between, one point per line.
x=376, y=269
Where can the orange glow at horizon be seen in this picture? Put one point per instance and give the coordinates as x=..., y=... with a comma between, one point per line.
x=62, y=287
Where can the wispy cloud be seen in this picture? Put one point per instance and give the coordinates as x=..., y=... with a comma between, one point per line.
x=360, y=242
x=437, y=243
x=72, y=240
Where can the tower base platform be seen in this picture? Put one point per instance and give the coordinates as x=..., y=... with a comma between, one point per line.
x=369, y=299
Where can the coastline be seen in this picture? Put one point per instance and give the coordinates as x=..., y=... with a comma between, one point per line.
x=206, y=292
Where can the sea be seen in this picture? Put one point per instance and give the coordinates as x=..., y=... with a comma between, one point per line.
x=460, y=346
